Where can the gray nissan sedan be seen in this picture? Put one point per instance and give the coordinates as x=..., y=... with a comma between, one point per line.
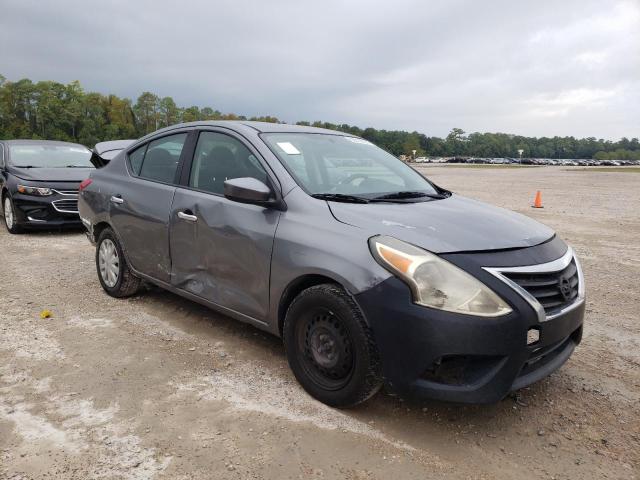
x=369, y=272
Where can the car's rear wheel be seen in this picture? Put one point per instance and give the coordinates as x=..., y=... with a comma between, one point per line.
x=9, y=214
x=114, y=273
x=330, y=348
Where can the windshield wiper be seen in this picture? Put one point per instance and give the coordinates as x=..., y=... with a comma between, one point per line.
x=25, y=166
x=402, y=195
x=77, y=166
x=340, y=197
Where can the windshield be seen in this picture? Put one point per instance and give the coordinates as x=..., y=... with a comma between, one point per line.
x=49, y=156
x=336, y=164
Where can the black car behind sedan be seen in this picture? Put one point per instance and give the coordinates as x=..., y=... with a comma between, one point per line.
x=39, y=182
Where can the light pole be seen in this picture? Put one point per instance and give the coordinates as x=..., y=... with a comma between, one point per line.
x=414, y=155
x=520, y=152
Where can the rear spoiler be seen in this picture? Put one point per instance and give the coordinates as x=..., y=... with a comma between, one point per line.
x=96, y=160
x=103, y=152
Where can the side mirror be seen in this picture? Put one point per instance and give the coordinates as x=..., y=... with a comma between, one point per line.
x=247, y=190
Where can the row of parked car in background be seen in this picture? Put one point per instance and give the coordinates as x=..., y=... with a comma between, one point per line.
x=564, y=162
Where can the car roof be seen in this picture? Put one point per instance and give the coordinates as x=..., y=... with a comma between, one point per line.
x=244, y=125
x=268, y=127
x=40, y=142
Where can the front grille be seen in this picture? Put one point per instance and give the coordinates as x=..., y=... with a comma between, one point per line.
x=66, y=191
x=554, y=290
x=67, y=205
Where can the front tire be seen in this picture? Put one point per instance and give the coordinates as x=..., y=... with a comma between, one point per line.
x=9, y=213
x=114, y=273
x=330, y=348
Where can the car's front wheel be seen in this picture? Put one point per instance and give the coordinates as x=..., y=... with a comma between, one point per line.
x=113, y=270
x=9, y=214
x=330, y=348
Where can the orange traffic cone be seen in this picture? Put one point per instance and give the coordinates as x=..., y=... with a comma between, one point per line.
x=538, y=201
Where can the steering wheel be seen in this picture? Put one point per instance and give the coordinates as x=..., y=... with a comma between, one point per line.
x=351, y=179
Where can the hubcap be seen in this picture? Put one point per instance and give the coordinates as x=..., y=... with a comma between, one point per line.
x=327, y=354
x=323, y=348
x=108, y=262
x=8, y=213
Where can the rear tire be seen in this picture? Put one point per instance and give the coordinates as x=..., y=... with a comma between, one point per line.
x=114, y=273
x=9, y=214
x=330, y=348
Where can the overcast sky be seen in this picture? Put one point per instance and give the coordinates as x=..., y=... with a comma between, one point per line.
x=533, y=68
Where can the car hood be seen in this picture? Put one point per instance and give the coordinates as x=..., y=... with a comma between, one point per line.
x=453, y=224
x=52, y=174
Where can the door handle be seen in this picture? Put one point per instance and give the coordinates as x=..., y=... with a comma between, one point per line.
x=187, y=216
x=117, y=199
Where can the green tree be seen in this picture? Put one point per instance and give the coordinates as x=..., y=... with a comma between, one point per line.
x=411, y=144
x=146, y=113
x=168, y=112
x=191, y=114
x=55, y=111
x=455, y=142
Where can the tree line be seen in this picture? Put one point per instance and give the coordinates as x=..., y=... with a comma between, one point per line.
x=55, y=111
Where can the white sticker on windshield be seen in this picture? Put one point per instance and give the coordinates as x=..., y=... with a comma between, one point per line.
x=288, y=148
x=358, y=140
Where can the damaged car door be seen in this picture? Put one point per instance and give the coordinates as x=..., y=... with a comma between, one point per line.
x=139, y=205
x=221, y=249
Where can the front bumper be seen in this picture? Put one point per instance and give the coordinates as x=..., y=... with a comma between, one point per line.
x=429, y=353
x=55, y=210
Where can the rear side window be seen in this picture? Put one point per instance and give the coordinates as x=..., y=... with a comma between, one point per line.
x=135, y=159
x=161, y=159
x=219, y=157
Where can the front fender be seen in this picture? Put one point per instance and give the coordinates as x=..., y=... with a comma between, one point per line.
x=310, y=241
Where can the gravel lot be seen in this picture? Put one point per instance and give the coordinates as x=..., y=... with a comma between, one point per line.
x=158, y=387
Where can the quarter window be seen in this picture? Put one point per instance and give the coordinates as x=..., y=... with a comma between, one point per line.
x=219, y=157
x=162, y=157
x=135, y=159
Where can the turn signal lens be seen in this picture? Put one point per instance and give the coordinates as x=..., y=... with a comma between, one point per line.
x=395, y=258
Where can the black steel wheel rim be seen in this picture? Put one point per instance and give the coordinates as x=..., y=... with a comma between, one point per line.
x=325, y=349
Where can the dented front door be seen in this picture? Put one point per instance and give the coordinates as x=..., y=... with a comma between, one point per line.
x=221, y=250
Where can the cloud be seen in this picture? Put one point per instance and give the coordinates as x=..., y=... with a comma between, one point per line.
x=534, y=68
x=563, y=103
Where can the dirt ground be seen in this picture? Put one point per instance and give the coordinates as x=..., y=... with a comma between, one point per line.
x=158, y=387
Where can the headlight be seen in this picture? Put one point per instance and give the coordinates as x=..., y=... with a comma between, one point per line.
x=38, y=191
x=435, y=282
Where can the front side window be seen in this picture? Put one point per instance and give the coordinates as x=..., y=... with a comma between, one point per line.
x=219, y=157
x=337, y=164
x=50, y=156
x=161, y=158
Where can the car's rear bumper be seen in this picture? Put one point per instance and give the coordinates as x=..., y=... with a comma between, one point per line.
x=429, y=353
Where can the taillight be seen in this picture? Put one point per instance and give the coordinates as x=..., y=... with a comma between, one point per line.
x=84, y=184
